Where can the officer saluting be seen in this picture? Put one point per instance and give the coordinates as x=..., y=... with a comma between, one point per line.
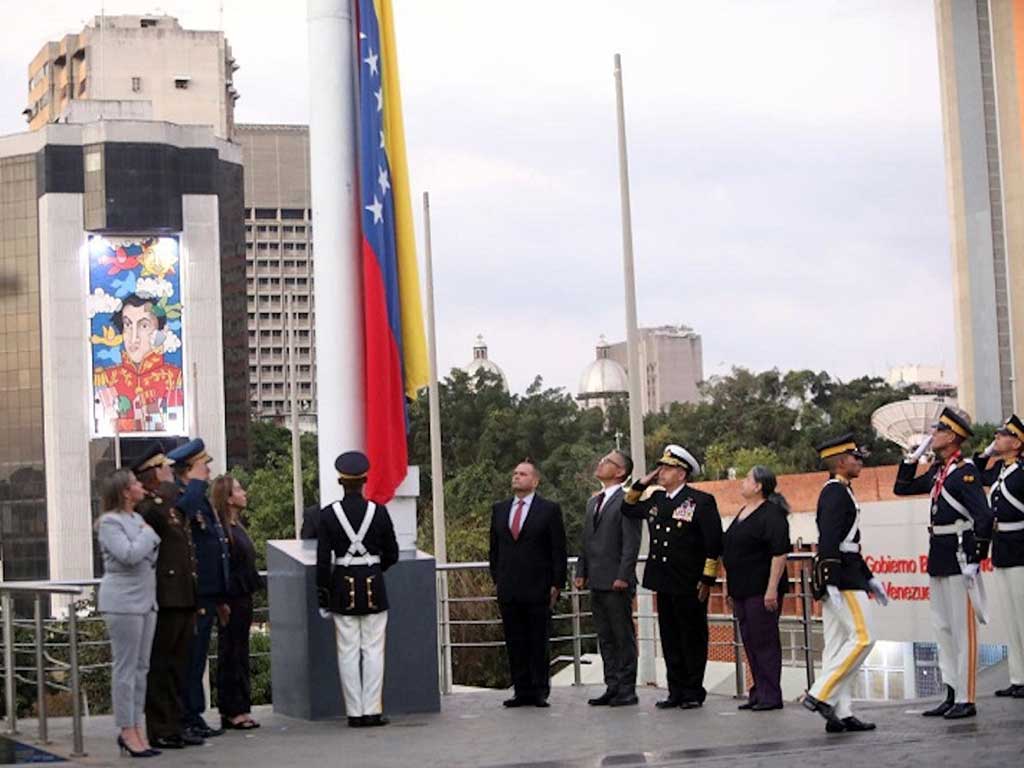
x=1006, y=478
x=960, y=529
x=355, y=544
x=176, y=596
x=192, y=468
x=686, y=544
x=842, y=580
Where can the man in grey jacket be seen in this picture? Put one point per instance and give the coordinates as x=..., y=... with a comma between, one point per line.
x=607, y=564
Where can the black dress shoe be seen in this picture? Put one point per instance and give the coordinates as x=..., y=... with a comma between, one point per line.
x=374, y=721
x=1010, y=691
x=832, y=723
x=355, y=722
x=1019, y=693
x=670, y=703
x=516, y=701
x=541, y=703
x=960, y=711
x=942, y=708
x=853, y=724
x=627, y=700
x=746, y=705
x=835, y=725
x=691, y=704
x=168, y=742
x=761, y=707
x=603, y=700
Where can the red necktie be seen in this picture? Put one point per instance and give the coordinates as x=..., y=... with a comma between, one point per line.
x=517, y=520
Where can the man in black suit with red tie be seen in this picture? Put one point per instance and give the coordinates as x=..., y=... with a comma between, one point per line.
x=528, y=564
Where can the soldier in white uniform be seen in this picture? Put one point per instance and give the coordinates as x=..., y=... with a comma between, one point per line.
x=355, y=544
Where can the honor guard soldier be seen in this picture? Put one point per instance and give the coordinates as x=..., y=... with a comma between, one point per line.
x=176, y=597
x=686, y=544
x=959, y=534
x=1006, y=496
x=842, y=581
x=355, y=544
x=210, y=543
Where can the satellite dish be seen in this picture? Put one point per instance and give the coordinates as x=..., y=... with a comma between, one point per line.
x=909, y=422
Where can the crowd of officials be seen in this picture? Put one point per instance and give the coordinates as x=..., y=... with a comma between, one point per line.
x=176, y=559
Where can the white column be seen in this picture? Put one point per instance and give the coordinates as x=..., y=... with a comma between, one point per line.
x=67, y=390
x=336, y=268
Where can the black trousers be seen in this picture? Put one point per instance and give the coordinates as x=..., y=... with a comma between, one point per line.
x=683, y=624
x=193, y=698
x=234, y=689
x=174, y=630
x=616, y=639
x=527, y=629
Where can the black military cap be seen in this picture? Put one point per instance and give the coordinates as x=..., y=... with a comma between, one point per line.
x=840, y=445
x=957, y=423
x=151, y=458
x=192, y=452
x=1013, y=427
x=352, y=465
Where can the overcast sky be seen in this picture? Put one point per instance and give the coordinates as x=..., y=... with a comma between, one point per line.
x=786, y=161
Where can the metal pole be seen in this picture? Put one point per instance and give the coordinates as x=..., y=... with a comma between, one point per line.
x=296, y=435
x=577, y=630
x=6, y=603
x=117, y=443
x=645, y=604
x=436, y=461
x=336, y=275
x=78, y=745
x=805, y=602
x=40, y=668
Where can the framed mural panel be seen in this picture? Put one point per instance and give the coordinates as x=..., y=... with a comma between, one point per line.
x=135, y=336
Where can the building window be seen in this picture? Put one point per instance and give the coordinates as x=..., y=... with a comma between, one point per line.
x=144, y=23
x=291, y=213
x=266, y=213
x=136, y=84
x=181, y=82
x=81, y=87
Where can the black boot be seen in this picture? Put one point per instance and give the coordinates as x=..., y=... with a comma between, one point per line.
x=944, y=707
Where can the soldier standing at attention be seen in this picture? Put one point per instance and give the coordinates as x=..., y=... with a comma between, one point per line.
x=686, y=544
x=960, y=530
x=842, y=580
x=1006, y=496
x=355, y=544
x=176, y=598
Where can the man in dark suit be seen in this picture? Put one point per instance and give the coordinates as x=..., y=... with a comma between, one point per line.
x=528, y=564
x=176, y=596
x=686, y=544
x=355, y=544
x=607, y=565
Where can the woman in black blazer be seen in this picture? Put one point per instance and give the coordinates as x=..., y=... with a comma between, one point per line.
x=234, y=688
x=754, y=553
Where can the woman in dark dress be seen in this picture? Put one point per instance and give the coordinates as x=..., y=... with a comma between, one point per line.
x=233, y=678
x=754, y=553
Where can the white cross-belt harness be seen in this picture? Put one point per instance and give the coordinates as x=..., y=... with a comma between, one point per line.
x=357, y=553
x=848, y=544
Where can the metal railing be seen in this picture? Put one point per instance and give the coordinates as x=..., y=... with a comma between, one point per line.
x=804, y=620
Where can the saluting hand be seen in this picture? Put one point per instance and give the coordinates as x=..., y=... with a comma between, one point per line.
x=649, y=477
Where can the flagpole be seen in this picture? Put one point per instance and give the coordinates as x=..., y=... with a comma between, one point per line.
x=436, y=466
x=645, y=605
x=293, y=377
x=336, y=268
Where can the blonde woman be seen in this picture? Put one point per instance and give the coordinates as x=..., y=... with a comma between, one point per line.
x=127, y=600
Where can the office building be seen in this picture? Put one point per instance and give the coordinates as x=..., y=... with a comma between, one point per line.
x=671, y=364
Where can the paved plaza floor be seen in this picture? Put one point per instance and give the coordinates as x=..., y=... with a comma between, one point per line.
x=473, y=729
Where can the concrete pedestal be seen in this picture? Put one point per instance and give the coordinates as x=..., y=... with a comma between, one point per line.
x=303, y=660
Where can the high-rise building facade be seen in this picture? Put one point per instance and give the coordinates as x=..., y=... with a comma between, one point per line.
x=671, y=365
x=185, y=74
x=981, y=64
x=279, y=270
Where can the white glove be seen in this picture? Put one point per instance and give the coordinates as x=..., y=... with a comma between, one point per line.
x=878, y=589
x=969, y=569
x=324, y=613
x=833, y=594
x=920, y=451
x=989, y=450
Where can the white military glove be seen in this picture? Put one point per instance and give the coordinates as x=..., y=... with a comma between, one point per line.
x=989, y=450
x=324, y=613
x=920, y=451
x=969, y=569
x=833, y=594
x=878, y=590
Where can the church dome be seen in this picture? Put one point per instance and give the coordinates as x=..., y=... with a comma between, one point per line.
x=603, y=377
x=481, y=362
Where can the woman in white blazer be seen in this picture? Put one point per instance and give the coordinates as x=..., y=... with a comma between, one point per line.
x=127, y=600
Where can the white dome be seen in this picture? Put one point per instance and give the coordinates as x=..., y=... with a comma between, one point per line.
x=603, y=376
x=481, y=362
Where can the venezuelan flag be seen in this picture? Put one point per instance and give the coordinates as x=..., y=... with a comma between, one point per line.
x=396, y=357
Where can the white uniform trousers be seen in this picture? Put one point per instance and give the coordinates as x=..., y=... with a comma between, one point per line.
x=956, y=632
x=360, y=641
x=1010, y=588
x=848, y=641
